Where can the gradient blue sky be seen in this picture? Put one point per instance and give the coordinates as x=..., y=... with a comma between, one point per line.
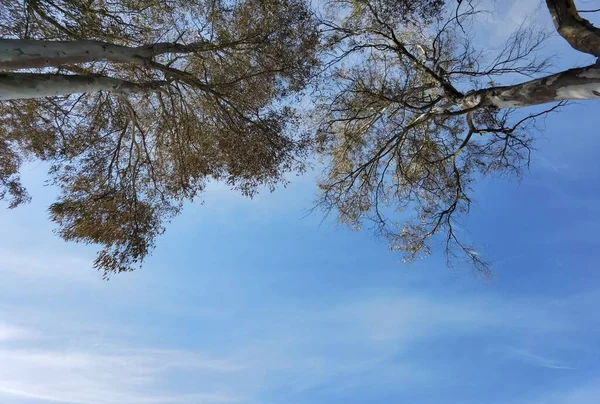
x=253, y=302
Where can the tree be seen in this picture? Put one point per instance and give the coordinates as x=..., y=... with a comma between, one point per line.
x=411, y=116
x=136, y=104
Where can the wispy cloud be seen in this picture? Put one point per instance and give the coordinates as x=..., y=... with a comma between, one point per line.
x=501, y=19
x=45, y=266
x=358, y=343
x=10, y=332
x=363, y=340
x=530, y=358
x=88, y=374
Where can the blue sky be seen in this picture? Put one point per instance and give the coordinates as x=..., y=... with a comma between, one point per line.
x=255, y=302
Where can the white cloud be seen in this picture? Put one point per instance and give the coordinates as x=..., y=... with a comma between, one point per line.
x=408, y=318
x=372, y=342
x=10, y=332
x=362, y=340
x=107, y=375
x=528, y=357
x=44, y=265
x=358, y=342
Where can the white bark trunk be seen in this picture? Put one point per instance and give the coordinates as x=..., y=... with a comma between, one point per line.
x=29, y=54
x=28, y=85
x=575, y=84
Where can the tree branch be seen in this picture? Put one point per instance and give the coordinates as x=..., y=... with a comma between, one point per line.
x=582, y=83
x=15, y=86
x=29, y=54
x=578, y=32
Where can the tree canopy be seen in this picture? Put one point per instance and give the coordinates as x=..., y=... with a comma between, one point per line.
x=415, y=117
x=137, y=104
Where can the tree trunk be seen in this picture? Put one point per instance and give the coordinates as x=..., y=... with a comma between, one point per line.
x=577, y=31
x=581, y=83
x=29, y=85
x=29, y=54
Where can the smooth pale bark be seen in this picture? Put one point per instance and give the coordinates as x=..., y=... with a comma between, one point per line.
x=29, y=54
x=30, y=85
x=574, y=84
x=577, y=31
